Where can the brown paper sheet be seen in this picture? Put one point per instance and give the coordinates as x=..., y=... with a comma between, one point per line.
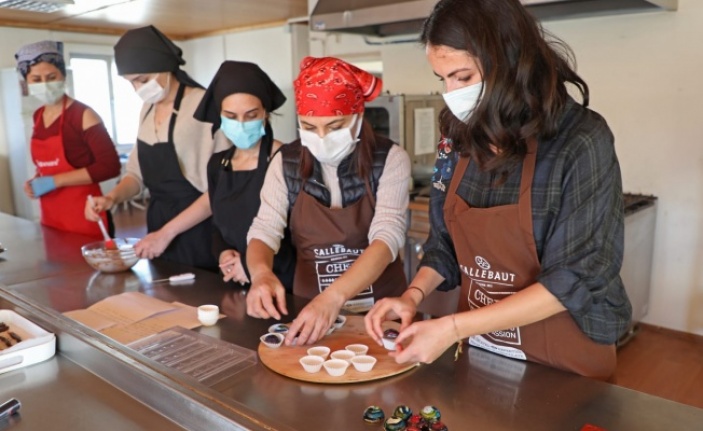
x=131, y=316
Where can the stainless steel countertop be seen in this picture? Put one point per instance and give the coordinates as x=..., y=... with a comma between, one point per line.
x=480, y=391
x=59, y=395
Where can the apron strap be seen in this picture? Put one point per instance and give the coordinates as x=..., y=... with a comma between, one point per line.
x=176, y=107
x=461, y=166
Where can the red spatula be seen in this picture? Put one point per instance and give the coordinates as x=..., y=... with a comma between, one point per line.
x=109, y=242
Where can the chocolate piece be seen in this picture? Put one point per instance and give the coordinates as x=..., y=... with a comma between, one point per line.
x=6, y=341
x=390, y=334
x=403, y=412
x=416, y=420
x=15, y=336
x=271, y=339
x=394, y=424
x=373, y=414
x=439, y=426
x=430, y=413
x=3, y=327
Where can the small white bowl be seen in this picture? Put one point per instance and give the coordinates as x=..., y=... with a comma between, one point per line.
x=267, y=339
x=208, y=314
x=344, y=355
x=363, y=363
x=339, y=321
x=358, y=349
x=311, y=363
x=335, y=367
x=389, y=337
x=321, y=351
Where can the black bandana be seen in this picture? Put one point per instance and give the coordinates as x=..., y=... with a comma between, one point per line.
x=147, y=50
x=237, y=77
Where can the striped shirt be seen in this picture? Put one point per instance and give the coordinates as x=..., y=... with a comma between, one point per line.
x=577, y=216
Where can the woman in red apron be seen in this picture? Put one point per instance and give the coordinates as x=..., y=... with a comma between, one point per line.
x=171, y=154
x=526, y=210
x=342, y=192
x=70, y=147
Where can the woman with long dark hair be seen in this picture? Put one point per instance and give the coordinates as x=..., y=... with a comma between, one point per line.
x=526, y=210
x=343, y=193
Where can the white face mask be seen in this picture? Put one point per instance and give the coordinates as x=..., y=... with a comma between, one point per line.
x=334, y=146
x=48, y=93
x=152, y=92
x=463, y=101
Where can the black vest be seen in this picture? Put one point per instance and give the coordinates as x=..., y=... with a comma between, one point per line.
x=353, y=187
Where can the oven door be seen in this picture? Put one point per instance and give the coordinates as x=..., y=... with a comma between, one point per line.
x=385, y=114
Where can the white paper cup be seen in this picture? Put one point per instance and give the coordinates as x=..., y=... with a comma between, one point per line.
x=321, y=351
x=335, y=367
x=358, y=349
x=208, y=314
x=339, y=321
x=311, y=363
x=363, y=363
x=268, y=340
x=344, y=355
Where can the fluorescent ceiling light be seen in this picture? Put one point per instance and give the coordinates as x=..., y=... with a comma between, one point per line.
x=43, y=6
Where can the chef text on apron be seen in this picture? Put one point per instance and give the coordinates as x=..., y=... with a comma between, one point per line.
x=329, y=240
x=62, y=208
x=497, y=257
x=171, y=193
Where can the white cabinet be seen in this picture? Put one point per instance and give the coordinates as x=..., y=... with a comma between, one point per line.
x=17, y=117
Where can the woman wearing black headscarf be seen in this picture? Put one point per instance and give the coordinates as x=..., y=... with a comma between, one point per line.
x=170, y=158
x=239, y=102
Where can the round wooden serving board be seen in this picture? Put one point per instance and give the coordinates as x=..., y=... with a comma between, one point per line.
x=284, y=359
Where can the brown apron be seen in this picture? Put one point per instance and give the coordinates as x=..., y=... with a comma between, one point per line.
x=328, y=241
x=497, y=257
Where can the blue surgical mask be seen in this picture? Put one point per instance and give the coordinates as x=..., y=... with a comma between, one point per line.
x=243, y=135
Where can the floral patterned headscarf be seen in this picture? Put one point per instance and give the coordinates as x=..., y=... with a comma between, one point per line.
x=47, y=51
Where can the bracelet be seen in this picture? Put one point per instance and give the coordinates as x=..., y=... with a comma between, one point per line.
x=458, y=350
x=419, y=290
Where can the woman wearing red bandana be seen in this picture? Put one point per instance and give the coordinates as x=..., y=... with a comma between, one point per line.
x=342, y=191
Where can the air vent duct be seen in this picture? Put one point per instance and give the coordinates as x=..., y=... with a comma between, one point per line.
x=44, y=6
x=403, y=17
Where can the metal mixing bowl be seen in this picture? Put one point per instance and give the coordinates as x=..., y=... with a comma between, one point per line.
x=111, y=261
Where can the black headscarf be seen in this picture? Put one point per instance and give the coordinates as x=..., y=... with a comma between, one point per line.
x=238, y=77
x=147, y=50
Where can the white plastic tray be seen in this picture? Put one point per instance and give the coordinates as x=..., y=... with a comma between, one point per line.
x=37, y=344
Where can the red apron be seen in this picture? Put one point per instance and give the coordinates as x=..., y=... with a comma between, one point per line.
x=328, y=241
x=497, y=257
x=62, y=208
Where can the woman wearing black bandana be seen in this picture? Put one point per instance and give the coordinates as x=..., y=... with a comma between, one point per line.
x=170, y=158
x=239, y=102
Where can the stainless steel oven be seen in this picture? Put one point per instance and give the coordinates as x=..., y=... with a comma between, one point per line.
x=412, y=122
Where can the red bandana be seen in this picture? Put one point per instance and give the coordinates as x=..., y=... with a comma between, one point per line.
x=328, y=87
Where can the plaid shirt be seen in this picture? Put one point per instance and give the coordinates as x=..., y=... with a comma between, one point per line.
x=577, y=215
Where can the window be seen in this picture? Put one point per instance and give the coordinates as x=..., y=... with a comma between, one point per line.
x=96, y=83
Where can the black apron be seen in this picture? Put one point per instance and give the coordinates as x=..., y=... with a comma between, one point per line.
x=171, y=193
x=235, y=202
